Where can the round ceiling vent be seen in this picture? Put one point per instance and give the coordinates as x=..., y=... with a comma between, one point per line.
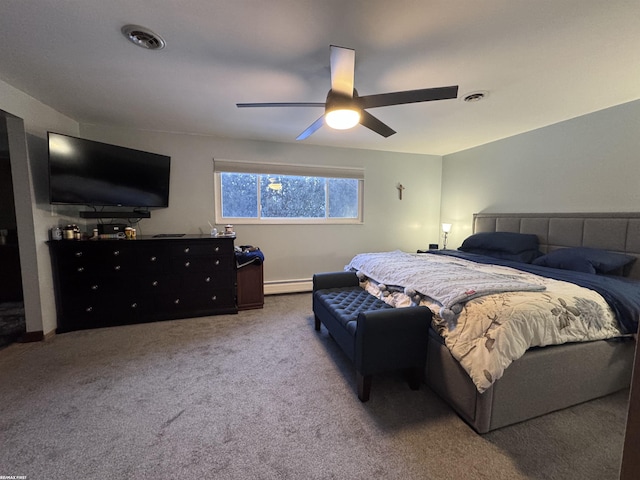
x=475, y=96
x=143, y=37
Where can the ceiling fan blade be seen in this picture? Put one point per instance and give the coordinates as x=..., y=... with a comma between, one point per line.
x=372, y=123
x=409, y=96
x=280, y=104
x=311, y=129
x=343, y=63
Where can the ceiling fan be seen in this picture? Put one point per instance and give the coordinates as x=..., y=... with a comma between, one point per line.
x=344, y=108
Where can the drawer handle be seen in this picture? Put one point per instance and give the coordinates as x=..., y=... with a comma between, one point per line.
x=208, y=279
x=217, y=262
x=217, y=249
x=78, y=254
x=154, y=283
x=176, y=301
x=214, y=298
x=88, y=309
x=80, y=269
x=153, y=259
x=187, y=264
x=116, y=253
x=94, y=287
x=186, y=250
x=117, y=268
x=134, y=305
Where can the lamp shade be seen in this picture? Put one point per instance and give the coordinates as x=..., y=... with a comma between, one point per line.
x=446, y=227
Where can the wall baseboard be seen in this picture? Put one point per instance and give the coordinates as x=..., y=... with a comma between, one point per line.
x=288, y=286
x=37, y=336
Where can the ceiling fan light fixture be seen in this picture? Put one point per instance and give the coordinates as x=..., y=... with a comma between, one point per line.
x=341, y=111
x=342, y=119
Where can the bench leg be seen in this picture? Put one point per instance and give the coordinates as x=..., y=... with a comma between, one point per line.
x=317, y=324
x=415, y=378
x=364, y=386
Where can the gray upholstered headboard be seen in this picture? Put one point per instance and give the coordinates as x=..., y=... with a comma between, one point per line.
x=618, y=232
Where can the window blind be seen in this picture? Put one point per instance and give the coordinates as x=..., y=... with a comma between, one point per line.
x=241, y=166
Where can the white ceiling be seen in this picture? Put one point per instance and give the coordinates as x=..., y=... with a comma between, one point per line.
x=541, y=62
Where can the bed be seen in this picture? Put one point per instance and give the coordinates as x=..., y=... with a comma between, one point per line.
x=542, y=378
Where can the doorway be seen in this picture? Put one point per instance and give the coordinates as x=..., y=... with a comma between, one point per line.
x=12, y=319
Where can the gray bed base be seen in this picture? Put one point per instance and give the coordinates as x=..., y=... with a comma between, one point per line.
x=550, y=378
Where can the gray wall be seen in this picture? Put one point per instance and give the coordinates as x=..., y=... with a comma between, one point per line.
x=295, y=252
x=586, y=164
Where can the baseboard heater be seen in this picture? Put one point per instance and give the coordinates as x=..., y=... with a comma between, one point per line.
x=288, y=286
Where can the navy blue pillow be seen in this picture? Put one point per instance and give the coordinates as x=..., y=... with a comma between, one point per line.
x=590, y=260
x=508, y=242
x=523, y=257
x=565, y=261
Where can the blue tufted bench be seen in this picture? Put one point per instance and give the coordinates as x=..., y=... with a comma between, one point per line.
x=375, y=336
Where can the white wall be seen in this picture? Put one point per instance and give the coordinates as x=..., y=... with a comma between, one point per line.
x=29, y=173
x=295, y=252
x=586, y=164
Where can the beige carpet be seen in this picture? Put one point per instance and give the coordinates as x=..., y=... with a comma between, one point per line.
x=261, y=395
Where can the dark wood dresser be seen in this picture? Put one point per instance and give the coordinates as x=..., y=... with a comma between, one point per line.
x=100, y=283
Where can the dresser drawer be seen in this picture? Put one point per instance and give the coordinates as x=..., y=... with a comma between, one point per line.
x=202, y=248
x=96, y=285
x=95, y=250
x=204, y=301
x=100, y=311
x=206, y=279
x=165, y=283
x=213, y=264
x=156, y=259
x=214, y=298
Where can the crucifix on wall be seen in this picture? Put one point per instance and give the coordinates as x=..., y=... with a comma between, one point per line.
x=400, y=189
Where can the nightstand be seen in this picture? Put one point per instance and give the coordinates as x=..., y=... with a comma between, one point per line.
x=250, y=293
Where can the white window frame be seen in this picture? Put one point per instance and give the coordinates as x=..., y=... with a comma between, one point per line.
x=241, y=166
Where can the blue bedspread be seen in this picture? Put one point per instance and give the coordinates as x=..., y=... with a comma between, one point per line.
x=622, y=294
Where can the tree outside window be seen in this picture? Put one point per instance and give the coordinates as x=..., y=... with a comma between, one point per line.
x=267, y=196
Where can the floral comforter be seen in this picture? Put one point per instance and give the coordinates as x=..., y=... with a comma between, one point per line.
x=491, y=331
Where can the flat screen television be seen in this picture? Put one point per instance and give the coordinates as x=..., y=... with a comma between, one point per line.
x=86, y=172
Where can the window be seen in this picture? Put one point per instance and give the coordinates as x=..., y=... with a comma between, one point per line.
x=248, y=192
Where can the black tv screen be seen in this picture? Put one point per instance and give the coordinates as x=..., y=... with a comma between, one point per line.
x=86, y=172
